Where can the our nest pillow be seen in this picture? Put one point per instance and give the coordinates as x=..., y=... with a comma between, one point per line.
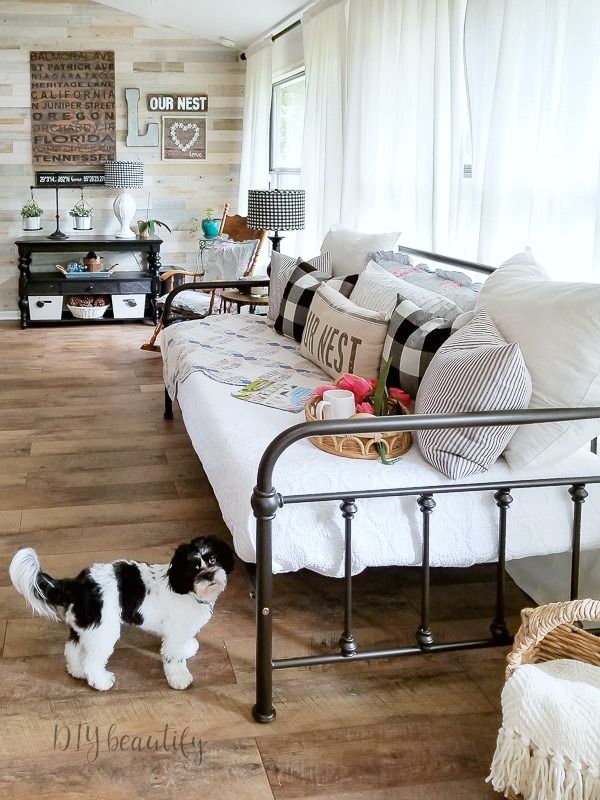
x=339, y=336
x=557, y=326
x=475, y=370
x=350, y=249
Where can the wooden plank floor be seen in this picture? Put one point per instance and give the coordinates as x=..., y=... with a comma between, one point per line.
x=90, y=471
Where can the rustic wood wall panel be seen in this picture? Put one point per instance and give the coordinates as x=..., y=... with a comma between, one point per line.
x=152, y=59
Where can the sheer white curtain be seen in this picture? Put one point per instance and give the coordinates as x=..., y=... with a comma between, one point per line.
x=324, y=41
x=405, y=131
x=534, y=79
x=254, y=170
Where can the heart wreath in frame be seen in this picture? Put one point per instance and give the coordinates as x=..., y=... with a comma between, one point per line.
x=184, y=128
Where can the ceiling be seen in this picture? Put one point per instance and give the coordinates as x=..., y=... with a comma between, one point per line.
x=242, y=21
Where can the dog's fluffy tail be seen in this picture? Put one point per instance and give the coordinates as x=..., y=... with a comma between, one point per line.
x=39, y=589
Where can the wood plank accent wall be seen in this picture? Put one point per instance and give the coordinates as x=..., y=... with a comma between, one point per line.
x=156, y=60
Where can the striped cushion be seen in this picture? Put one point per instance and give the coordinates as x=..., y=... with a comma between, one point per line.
x=475, y=370
x=297, y=297
x=280, y=272
x=413, y=337
x=377, y=289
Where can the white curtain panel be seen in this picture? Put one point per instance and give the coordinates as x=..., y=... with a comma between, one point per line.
x=324, y=41
x=254, y=170
x=534, y=80
x=405, y=130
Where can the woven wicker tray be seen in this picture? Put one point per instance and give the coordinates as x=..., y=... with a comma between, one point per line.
x=361, y=445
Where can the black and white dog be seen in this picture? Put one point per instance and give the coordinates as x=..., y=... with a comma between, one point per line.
x=172, y=600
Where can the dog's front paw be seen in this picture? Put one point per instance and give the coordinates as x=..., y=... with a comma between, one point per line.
x=179, y=678
x=102, y=681
x=191, y=648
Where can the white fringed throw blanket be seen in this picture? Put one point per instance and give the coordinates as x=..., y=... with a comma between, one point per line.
x=549, y=745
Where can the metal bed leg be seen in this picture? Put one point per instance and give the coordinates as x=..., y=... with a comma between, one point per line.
x=578, y=494
x=423, y=635
x=499, y=631
x=168, y=405
x=348, y=646
x=264, y=506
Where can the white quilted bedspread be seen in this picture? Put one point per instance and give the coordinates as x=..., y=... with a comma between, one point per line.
x=230, y=435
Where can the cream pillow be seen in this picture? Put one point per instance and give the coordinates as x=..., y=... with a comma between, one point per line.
x=378, y=290
x=557, y=326
x=339, y=336
x=350, y=249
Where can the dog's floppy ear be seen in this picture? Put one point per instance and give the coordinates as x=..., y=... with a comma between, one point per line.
x=181, y=576
x=223, y=552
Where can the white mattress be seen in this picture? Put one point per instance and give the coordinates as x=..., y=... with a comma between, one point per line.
x=230, y=435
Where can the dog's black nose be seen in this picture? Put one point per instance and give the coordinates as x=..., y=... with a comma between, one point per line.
x=207, y=574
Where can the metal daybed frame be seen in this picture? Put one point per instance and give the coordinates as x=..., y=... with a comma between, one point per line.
x=266, y=502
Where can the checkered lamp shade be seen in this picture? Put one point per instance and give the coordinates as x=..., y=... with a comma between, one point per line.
x=276, y=209
x=124, y=175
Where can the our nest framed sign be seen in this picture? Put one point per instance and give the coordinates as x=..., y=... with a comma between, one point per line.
x=184, y=138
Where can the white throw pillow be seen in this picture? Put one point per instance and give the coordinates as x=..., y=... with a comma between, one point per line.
x=557, y=326
x=341, y=337
x=378, y=289
x=350, y=249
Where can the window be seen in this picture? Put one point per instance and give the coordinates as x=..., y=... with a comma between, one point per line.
x=287, y=123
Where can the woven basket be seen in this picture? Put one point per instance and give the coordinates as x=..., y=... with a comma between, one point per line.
x=88, y=312
x=550, y=632
x=361, y=445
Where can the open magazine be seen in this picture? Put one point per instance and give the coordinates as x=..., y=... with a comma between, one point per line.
x=277, y=392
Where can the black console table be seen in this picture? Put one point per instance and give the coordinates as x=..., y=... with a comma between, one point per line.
x=35, y=283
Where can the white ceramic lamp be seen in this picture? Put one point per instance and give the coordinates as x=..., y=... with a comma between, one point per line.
x=124, y=175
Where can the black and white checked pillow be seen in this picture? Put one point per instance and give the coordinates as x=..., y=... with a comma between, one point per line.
x=413, y=338
x=475, y=370
x=344, y=284
x=297, y=297
x=280, y=272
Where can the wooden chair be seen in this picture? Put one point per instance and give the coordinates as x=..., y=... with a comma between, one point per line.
x=236, y=228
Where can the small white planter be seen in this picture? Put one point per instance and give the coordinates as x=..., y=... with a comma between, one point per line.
x=32, y=223
x=82, y=223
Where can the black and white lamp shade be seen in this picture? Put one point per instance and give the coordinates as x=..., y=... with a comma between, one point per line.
x=124, y=175
x=276, y=209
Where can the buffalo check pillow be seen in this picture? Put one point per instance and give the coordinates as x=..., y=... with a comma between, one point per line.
x=280, y=271
x=297, y=297
x=413, y=338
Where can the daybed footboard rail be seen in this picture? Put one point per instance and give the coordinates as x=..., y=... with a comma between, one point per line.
x=266, y=501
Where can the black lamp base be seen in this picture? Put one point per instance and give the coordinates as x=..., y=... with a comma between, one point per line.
x=276, y=241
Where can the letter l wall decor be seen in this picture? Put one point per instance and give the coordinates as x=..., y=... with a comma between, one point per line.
x=134, y=137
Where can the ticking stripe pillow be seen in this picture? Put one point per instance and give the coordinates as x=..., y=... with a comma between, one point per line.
x=297, y=297
x=475, y=370
x=413, y=337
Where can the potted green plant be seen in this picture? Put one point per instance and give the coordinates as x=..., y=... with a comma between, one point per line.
x=147, y=227
x=82, y=215
x=31, y=214
x=210, y=225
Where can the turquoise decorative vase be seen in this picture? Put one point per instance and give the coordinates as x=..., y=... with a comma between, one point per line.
x=210, y=228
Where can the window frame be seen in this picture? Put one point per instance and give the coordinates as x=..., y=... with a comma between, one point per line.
x=276, y=172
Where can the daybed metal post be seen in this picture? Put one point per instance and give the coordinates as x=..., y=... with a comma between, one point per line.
x=578, y=494
x=498, y=627
x=264, y=506
x=348, y=646
x=168, y=405
x=424, y=636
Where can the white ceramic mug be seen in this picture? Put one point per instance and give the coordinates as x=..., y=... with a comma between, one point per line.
x=336, y=404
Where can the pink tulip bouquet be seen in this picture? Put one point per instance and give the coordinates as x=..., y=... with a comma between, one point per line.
x=371, y=396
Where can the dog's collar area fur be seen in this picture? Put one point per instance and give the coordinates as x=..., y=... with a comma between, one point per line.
x=210, y=603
